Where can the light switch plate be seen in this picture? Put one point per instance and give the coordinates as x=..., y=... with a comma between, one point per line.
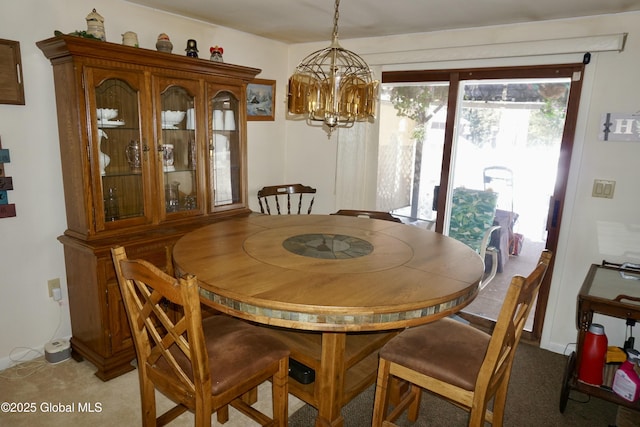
x=603, y=188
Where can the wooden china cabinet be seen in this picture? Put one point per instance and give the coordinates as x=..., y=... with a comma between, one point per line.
x=153, y=145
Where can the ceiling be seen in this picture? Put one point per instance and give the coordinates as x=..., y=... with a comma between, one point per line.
x=299, y=21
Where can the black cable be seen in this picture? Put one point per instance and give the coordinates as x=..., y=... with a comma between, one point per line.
x=629, y=341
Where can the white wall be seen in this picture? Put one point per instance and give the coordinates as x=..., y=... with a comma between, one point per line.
x=29, y=251
x=292, y=152
x=610, y=85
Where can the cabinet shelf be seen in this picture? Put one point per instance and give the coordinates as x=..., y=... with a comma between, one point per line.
x=178, y=170
x=606, y=291
x=111, y=174
x=604, y=393
x=115, y=128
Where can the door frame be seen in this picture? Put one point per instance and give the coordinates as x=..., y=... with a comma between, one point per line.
x=575, y=71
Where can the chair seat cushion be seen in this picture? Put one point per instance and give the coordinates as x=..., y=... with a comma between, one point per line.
x=447, y=349
x=236, y=350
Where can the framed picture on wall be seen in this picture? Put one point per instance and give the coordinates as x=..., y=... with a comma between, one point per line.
x=11, y=86
x=261, y=100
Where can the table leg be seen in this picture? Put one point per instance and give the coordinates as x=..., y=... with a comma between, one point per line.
x=330, y=380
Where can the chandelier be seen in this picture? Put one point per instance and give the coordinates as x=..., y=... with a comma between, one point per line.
x=333, y=86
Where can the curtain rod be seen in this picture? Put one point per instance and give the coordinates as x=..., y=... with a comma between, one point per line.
x=601, y=43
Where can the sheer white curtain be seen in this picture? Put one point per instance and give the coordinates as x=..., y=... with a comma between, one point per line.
x=356, y=166
x=357, y=162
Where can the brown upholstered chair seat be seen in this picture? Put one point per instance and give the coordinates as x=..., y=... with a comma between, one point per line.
x=443, y=344
x=236, y=350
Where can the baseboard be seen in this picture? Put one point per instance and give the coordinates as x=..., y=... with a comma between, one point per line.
x=565, y=349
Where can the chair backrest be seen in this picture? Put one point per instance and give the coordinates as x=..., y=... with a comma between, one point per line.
x=368, y=214
x=171, y=353
x=472, y=214
x=272, y=195
x=517, y=304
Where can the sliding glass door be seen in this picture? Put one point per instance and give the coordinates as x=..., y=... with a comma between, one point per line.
x=410, y=150
x=492, y=144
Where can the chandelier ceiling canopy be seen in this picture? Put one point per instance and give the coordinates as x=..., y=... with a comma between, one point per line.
x=333, y=86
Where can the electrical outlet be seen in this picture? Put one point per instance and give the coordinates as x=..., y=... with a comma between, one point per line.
x=53, y=284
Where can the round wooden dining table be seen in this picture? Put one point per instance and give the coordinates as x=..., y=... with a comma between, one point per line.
x=334, y=288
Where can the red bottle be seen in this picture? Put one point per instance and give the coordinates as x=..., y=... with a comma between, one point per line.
x=594, y=355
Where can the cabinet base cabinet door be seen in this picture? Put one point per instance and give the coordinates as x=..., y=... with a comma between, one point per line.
x=108, y=367
x=99, y=325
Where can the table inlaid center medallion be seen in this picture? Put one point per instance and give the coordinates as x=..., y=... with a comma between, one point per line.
x=327, y=250
x=327, y=246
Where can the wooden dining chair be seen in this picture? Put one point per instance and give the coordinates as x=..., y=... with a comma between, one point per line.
x=201, y=365
x=302, y=195
x=456, y=361
x=368, y=214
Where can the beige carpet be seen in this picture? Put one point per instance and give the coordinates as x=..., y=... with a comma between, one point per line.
x=533, y=399
x=72, y=386
x=64, y=394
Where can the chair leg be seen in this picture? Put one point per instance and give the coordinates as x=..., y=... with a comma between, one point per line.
x=381, y=400
x=280, y=393
x=494, y=268
x=477, y=414
x=251, y=396
x=222, y=414
x=148, y=402
x=396, y=389
x=499, y=403
x=414, y=407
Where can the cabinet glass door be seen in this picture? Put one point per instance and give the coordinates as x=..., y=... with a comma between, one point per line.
x=178, y=147
x=117, y=150
x=225, y=151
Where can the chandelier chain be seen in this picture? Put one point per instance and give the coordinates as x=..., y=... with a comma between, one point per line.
x=336, y=15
